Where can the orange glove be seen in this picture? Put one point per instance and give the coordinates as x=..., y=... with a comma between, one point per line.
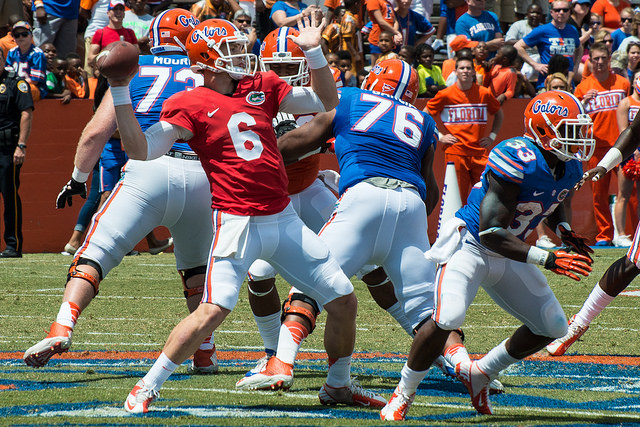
x=566, y=264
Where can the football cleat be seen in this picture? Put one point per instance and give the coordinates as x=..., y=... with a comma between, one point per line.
x=204, y=362
x=447, y=368
x=269, y=374
x=496, y=387
x=352, y=395
x=397, y=407
x=477, y=383
x=139, y=398
x=561, y=345
x=56, y=342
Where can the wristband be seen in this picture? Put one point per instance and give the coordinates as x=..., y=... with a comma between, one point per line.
x=611, y=159
x=537, y=256
x=492, y=136
x=38, y=3
x=78, y=175
x=120, y=95
x=565, y=225
x=315, y=58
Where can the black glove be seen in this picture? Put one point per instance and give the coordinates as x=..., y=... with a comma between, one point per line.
x=285, y=126
x=574, y=242
x=71, y=188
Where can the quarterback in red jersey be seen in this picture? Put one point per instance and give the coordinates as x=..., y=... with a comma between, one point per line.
x=228, y=123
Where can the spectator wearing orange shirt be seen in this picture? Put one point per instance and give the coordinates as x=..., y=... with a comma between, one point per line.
x=464, y=109
x=601, y=93
x=383, y=17
x=610, y=12
x=7, y=42
x=457, y=44
x=503, y=78
x=77, y=79
x=350, y=36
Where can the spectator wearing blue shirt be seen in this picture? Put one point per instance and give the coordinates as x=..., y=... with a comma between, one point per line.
x=56, y=21
x=285, y=13
x=556, y=37
x=415, y=28
x=480, y=25
x=28, y=61
x=450, y=10
x=626, y=16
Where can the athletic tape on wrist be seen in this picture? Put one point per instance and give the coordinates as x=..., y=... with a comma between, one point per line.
x=492, y=136
x=315, y=58
x=611, y=159
x=537, y=255
x=120, y=95
x=78, y=175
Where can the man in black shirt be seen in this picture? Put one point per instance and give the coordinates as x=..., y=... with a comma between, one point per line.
x=16, y=107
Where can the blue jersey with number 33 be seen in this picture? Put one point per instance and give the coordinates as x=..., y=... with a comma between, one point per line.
x=157, y=79
x=378, y=136
x=519, y=160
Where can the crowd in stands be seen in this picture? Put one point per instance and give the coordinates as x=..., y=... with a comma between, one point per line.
x=536, y=46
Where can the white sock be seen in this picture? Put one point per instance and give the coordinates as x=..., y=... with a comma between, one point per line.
x=456, y=354
x=595, y=303
x=68, y=314
x=496, y=360
x=207, y=344
x=159, y=372
x=269, y=328
x=292, y=334
x=339, y=374
x=398, y=313
x=410, y=379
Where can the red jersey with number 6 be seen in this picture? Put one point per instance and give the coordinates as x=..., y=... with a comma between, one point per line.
x=234, y=137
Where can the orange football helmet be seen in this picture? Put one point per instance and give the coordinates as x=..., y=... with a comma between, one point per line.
x=219, y=46
x=278, y=49
x=556, y=120
x=169, y=30
x=393, y=77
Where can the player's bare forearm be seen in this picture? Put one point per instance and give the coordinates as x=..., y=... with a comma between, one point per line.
x=426, y=170
x=497, y=211
x=324, y=86
x=311, y=136
x=133, y=140
x=95, y=135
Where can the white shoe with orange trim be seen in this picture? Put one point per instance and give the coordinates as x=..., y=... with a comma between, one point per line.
x=398, y=406
x=139, y=398
x=352, y=395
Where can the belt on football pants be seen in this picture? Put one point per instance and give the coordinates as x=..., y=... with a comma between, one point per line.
x=182, y=155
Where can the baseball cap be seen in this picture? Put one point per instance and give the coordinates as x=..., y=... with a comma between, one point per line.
x=22, y=24
x=581, y=1
x=240, y=13
x=114, y=3
x=460, y=42
x=619, y=60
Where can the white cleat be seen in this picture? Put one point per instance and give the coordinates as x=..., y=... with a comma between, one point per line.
x=561, y=345
x=477, y=383
x=352, y=395
x=398, y=406
x=270, y=373
x=139, y=398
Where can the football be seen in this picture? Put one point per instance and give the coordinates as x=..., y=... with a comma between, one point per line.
x=118, y=60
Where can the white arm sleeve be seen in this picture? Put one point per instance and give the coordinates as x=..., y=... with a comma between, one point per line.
x=161, y=136
x=301, y=100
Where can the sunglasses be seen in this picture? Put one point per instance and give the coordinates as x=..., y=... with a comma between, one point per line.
x=627, y=19
x=596, y=23
x=22, y=34
x=558, y=88
x=561, y=9
x=244, y=21
x=607, y=41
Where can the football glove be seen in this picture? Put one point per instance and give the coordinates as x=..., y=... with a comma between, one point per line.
x=566, y=264
x=285, y=126
x=71, y=188
x=574, y=242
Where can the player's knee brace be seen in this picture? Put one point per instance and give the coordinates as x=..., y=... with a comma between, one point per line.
x=310, y=315
x=189, y=273
x=74, y=273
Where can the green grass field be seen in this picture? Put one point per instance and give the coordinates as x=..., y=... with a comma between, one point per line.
x=142, y=300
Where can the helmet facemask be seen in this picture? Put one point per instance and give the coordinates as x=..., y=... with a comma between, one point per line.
x=232, y=56
x=569, y=139
x=299, y=78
